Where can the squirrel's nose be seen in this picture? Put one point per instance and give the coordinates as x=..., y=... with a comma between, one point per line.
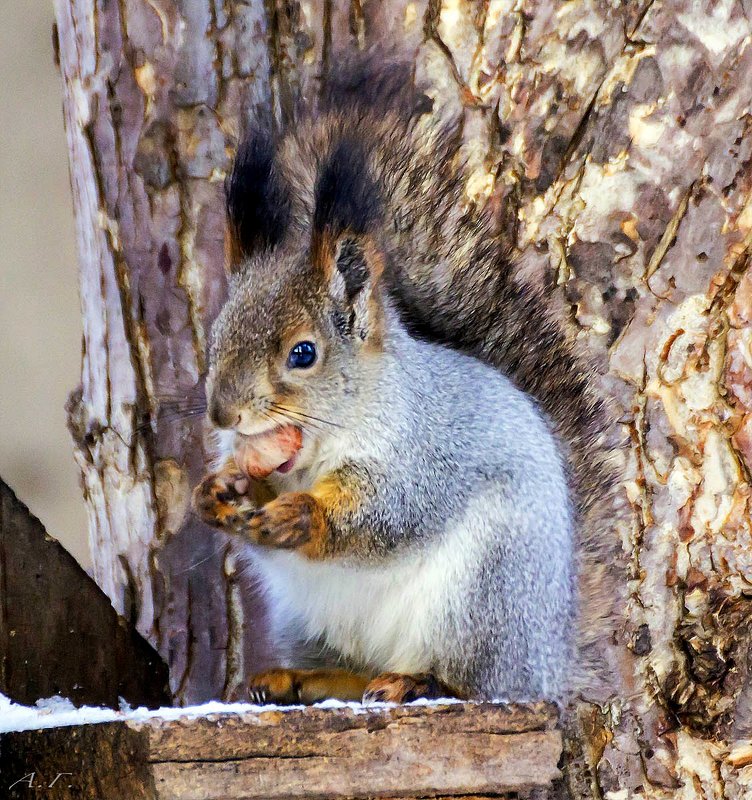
x=223, y=415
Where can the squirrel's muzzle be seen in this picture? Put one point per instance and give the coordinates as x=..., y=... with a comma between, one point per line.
x=222, y=414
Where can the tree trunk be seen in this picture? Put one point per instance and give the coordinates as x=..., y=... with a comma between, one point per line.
x=617, y=140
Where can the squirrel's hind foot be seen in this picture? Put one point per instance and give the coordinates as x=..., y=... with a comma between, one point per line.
x=392, y=687
x=305, y=686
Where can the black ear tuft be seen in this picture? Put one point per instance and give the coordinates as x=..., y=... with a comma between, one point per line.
x=346, y=198
x=352, y=265
x=258, y=203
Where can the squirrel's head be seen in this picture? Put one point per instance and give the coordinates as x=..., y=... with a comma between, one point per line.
x=304, y=317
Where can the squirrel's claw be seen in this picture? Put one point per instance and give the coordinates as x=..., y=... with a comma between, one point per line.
x=293, y=520
x=306, y=686
x=392, y=687
x=221, y=500
x=243, y=506
x=283, y=523
x=274, y=686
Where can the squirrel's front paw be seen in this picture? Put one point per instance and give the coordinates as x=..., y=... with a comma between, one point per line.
x=294, y=520
x=224, y=500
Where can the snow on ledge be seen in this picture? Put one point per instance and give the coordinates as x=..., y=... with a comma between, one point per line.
x=54, y=712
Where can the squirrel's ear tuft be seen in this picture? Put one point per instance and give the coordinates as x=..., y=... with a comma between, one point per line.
x=345, y=196
x=258, y=201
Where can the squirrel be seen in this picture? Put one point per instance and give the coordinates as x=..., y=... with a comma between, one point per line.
x=407, y=437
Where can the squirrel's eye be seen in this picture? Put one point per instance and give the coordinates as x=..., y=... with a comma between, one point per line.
x=302, y=355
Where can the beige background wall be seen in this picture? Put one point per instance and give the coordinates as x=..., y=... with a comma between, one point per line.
x=40, y=330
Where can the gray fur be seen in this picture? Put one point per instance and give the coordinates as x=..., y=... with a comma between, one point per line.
x=446, y=451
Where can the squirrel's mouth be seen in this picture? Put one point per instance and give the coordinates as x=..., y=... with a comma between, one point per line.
x=288, y=465
x=274, y=450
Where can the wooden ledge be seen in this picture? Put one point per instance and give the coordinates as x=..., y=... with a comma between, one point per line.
x=350, y=752
x=59, y=633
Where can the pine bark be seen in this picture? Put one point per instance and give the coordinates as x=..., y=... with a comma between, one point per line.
x=616, y=138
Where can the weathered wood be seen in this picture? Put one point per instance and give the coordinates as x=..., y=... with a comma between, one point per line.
x=453, y=750
x=59, y=633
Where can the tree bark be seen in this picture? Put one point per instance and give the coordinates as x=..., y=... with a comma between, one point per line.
x=617, y=140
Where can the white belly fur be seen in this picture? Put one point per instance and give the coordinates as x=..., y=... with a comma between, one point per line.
x=386, y=617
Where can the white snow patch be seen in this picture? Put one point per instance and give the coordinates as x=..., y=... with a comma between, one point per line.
x=53, y=712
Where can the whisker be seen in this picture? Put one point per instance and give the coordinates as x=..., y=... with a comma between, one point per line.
x=281, y=415
x=268, y=416
x=305, y=424
x=306, y=416
x=310, y=416
x=167, y=412
x=165, y=402
x=170, y=416
x=203, y=560
x=189, y=397
x=190, y=394
x=179, y=412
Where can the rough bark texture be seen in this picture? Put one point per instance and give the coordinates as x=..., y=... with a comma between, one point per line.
x=453, y=750
x=618, y=136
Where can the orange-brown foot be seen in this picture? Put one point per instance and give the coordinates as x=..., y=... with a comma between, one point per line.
x=392, y=687
x=293, y=520
x=306, y=686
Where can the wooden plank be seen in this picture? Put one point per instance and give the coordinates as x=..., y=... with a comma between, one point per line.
x=59, y=633
x=408, y=752
x=387, y=764
x=310, y=731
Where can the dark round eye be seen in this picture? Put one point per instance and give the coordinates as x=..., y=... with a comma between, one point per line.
x=302, y=355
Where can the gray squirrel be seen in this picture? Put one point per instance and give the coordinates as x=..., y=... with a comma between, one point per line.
x=406, y=436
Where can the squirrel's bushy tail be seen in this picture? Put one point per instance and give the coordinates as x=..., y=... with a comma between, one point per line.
x=454, y=278
x=486, y=310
